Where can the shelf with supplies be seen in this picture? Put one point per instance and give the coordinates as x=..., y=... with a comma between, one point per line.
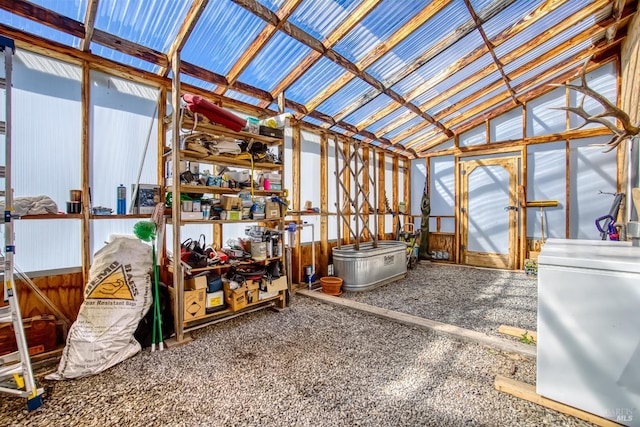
x=239, y=161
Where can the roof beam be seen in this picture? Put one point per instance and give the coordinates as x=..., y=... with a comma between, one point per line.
x=189, y=23
x=618, y=7
x=540, y=12
x=506, y=59
x=260, y=41
x=423, y=16
x=347, y=25
x=452, y=38
x=89, y=23
x=487, y=43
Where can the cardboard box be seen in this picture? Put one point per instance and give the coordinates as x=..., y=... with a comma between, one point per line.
x=264, y=295
x=230, y=203
x=253, y=287
x=236, y=298
x=231, y=215
x=195, y=283
x=277, y=285
x=272, y=210
x=194, y=303
x=215, y=300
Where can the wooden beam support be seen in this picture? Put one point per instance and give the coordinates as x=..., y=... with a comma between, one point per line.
x=394, y=191
x=325, y=248
x=133, y=49
x=85, y=176
x=189, y=23
x=89, y=24
x=381, y=193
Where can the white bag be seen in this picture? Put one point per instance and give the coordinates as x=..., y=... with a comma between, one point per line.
x=116, y=298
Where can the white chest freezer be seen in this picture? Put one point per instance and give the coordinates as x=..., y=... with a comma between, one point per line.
x=589, y=327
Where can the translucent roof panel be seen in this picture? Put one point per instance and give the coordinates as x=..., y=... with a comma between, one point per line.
x=378, y=103
x=152, y=24
x=345, y=96
x=197, y=82
x=522, y=38
x=509, y=16
x=242, y=97
x=488, y=96
x=74, y=9
x=432, y=68
x=389, y=118
x=443, y=146
x=320, y=17
x=376, y=27
x=415, y=121
x=465, y=93
x=312, y=120
x=458, y=79
x=417, y=135
x=321, y=74
x=275, y=60
x=272, y=4
x=32, y=27
x=479, y=5
x=222, y=34
x=388, y=67
x=123, y=58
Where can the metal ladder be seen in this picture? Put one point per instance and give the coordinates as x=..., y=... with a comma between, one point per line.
x=16, y=373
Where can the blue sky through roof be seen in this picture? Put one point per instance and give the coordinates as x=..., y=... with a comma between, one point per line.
x=474, y=88
x=378, y=103
x=196, y=82
x=415, y=121
x=388, y=119
x=242, y=97
x=507, y=17
x=33, y=27
x=222, y=34
x=314, y=80
x=272, y=4
x=275, y=60
x=345, y=96
x=123, y=58
x=452, y=16
x=149, y=23
x=74, y=9
x=320, y=17
x=383, y=21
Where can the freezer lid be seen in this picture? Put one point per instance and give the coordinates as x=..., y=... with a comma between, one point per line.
x=613, y=257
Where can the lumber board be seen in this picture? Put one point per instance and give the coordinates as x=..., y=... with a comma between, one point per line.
x=517, y=332
x=528, y=392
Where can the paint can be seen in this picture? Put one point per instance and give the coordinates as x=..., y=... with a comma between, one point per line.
x=258, y=250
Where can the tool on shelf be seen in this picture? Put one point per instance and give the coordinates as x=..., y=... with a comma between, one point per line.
x=542, y=204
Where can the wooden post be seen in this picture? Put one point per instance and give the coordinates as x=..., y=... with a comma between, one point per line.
x=394, y=191
x=406, y=165
x=85, y=157
x=296, y=261
x=324, y=207
x=381, y=194
x=366, y=189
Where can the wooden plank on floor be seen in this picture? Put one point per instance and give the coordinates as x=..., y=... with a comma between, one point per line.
x=517, y=332
x=407, y=319
x=528, y=392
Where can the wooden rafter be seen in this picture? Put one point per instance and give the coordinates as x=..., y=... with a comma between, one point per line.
x=89, y=22
x=533, y=17
x=189, y=23
x=492, y=52
x=423, y=16
x=618, y=7
x=287, y=8
x=345, y=26
x=506, y=59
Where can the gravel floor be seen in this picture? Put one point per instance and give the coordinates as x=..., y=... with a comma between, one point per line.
x=474, y=298
x=312, y=364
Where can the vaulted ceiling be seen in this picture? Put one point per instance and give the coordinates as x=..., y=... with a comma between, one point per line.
x=405, y=75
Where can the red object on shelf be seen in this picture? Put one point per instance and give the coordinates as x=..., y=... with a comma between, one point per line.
x=198, y=104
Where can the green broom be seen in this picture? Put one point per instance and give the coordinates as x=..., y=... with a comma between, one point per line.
x=146, y=231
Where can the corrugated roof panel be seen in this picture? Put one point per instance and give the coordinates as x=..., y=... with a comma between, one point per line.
x=457, y=78
x=31, y=27
x=376, y=27
x=196, y=82
x=441, y=147
x=123, y=58
x=509, y=16
x=388, y=119
x=452, y=16
x=479, y=5
x=314, y=80
x=272, y=4
x=275, y=60
x=149, y=23
x=458, y=50
x=418, y=134
x=312, y=121
x=560, y=14
x=474, y=88
x=378, y=103
x=242, y=97
x=337, y=129
x=475, y=116
x=222, y=34
x=416, y=120
x=345, y=96
x=320, y=17
x=74, y=9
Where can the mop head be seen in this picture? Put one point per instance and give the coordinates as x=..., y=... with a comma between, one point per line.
x=145, y=230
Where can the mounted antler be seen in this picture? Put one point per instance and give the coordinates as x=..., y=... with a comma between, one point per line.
x=620, y=134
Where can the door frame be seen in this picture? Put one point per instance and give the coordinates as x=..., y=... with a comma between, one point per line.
x=512, y=163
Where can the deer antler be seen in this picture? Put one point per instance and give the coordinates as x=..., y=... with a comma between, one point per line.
x=627, y=131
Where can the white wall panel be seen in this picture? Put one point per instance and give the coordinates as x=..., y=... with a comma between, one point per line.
x=475, y=136
x=309, y=179
x=442, y=186
x=546, y=180
x=603, y=81
x=418, y=181
x=507, y=126
x=541, y=119
x=331, y=189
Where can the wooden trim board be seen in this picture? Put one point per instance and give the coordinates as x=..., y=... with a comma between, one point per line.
x=432, y=325
x=517, y=332
x=528, y=392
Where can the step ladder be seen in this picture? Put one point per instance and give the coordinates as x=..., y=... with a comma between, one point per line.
x=16, y=373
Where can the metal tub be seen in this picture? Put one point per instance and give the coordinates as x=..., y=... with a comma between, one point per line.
x=369, y=267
